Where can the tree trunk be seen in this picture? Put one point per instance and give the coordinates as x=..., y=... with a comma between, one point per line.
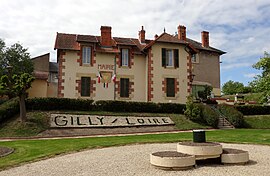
x=22, y=108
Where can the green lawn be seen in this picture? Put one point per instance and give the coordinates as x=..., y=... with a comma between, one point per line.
x=32, y=150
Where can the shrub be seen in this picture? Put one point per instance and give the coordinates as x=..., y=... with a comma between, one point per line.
x=58, y=104
x=232, y=115
x=113, y=106
x=254, y=109
x=209, y=115
x=9, y=108
x=201, y=113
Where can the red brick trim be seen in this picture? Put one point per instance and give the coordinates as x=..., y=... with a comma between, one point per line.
x=131, y=87
x=61, y=73
x=92, y=87
x=189, y=74
x=176, y=86
x=93, y=55
x=78, y=87
x=150, y=76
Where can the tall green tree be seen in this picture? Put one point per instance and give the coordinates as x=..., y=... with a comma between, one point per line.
x=15, y=56
x=15, y=73
x=261, y=83
x=231, y=87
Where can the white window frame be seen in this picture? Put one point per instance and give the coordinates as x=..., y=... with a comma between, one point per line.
x=169, y=58
x=194, y=58
x=125, y=56
x=86, y=54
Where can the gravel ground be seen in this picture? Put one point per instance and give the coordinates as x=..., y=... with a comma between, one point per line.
x=134, y=160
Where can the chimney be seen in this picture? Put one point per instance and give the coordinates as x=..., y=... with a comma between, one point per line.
x=142, y=35
x=156, y=36
x=182, y=33
x=106, y=36
x=205, y=39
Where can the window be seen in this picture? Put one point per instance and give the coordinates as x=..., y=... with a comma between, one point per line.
x=85, y=86
x=170, y=87
x=170, y=58
x=124, y=87
x=86, y=54
x=125, y=57
x=193, y=58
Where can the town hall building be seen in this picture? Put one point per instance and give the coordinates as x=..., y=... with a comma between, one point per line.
x=165, y=69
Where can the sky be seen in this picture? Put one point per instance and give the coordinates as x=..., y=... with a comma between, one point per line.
x=240, y=28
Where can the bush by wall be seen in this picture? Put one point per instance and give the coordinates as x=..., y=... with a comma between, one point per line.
x=113, y=106
x=48, y=104
x=9, y=108
x=254, y=109
x=201, y=113
x=235, y=117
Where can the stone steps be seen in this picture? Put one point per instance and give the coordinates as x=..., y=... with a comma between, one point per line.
x=224, y=124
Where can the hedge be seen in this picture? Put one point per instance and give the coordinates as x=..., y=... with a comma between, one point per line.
x=48, y=104
x=9, y=108
x=235, y=117
x=254, y=109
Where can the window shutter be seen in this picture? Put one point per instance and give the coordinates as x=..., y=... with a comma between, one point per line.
x=129, y=58
x=121, y=55
x=163, y=57
x=176, y=58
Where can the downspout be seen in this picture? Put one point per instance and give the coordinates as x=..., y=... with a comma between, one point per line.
x=114, y=85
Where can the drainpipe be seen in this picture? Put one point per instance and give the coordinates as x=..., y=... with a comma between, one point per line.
x=114, y=95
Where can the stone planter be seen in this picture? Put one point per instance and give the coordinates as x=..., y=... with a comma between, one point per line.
x=201, y=151
x=172, y=160
x=234, y=156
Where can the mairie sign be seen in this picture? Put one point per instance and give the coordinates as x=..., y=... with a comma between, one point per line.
x=71, y=120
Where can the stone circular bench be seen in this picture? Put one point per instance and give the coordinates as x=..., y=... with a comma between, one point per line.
x=201, y=151
x=234, y=156
x=172, y=160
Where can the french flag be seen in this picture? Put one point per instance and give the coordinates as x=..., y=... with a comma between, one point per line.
x=114, y=78
x=99, y=76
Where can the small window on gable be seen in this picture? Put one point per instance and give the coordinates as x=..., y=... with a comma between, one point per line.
x=86, y=54
x=125, y=57
x=170, y=58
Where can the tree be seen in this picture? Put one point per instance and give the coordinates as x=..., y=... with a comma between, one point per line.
x=15, y=56
x=15, y=73
x=204, y=94
x=231, y=87
x=18, y=84
x=262, y=82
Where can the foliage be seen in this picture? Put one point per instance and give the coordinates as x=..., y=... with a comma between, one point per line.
x=231, y=87
x=204, y=94
x=262, y=82
x=254, y=109
x=257, y=121
x=24, y=148
x=15, y=56
x=113, y=106
x=8, y=109
x=201, y=113
x=235, y=117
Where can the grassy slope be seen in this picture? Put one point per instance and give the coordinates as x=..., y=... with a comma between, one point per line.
x=38, y=121
x=32, y=150
x=258, y=121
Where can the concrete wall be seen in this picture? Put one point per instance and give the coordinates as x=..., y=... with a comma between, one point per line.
x=207, y=69
x=160, y=73
x=41, y=63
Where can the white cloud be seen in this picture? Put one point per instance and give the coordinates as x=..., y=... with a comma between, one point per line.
x=250, y=75
x=239, y=28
